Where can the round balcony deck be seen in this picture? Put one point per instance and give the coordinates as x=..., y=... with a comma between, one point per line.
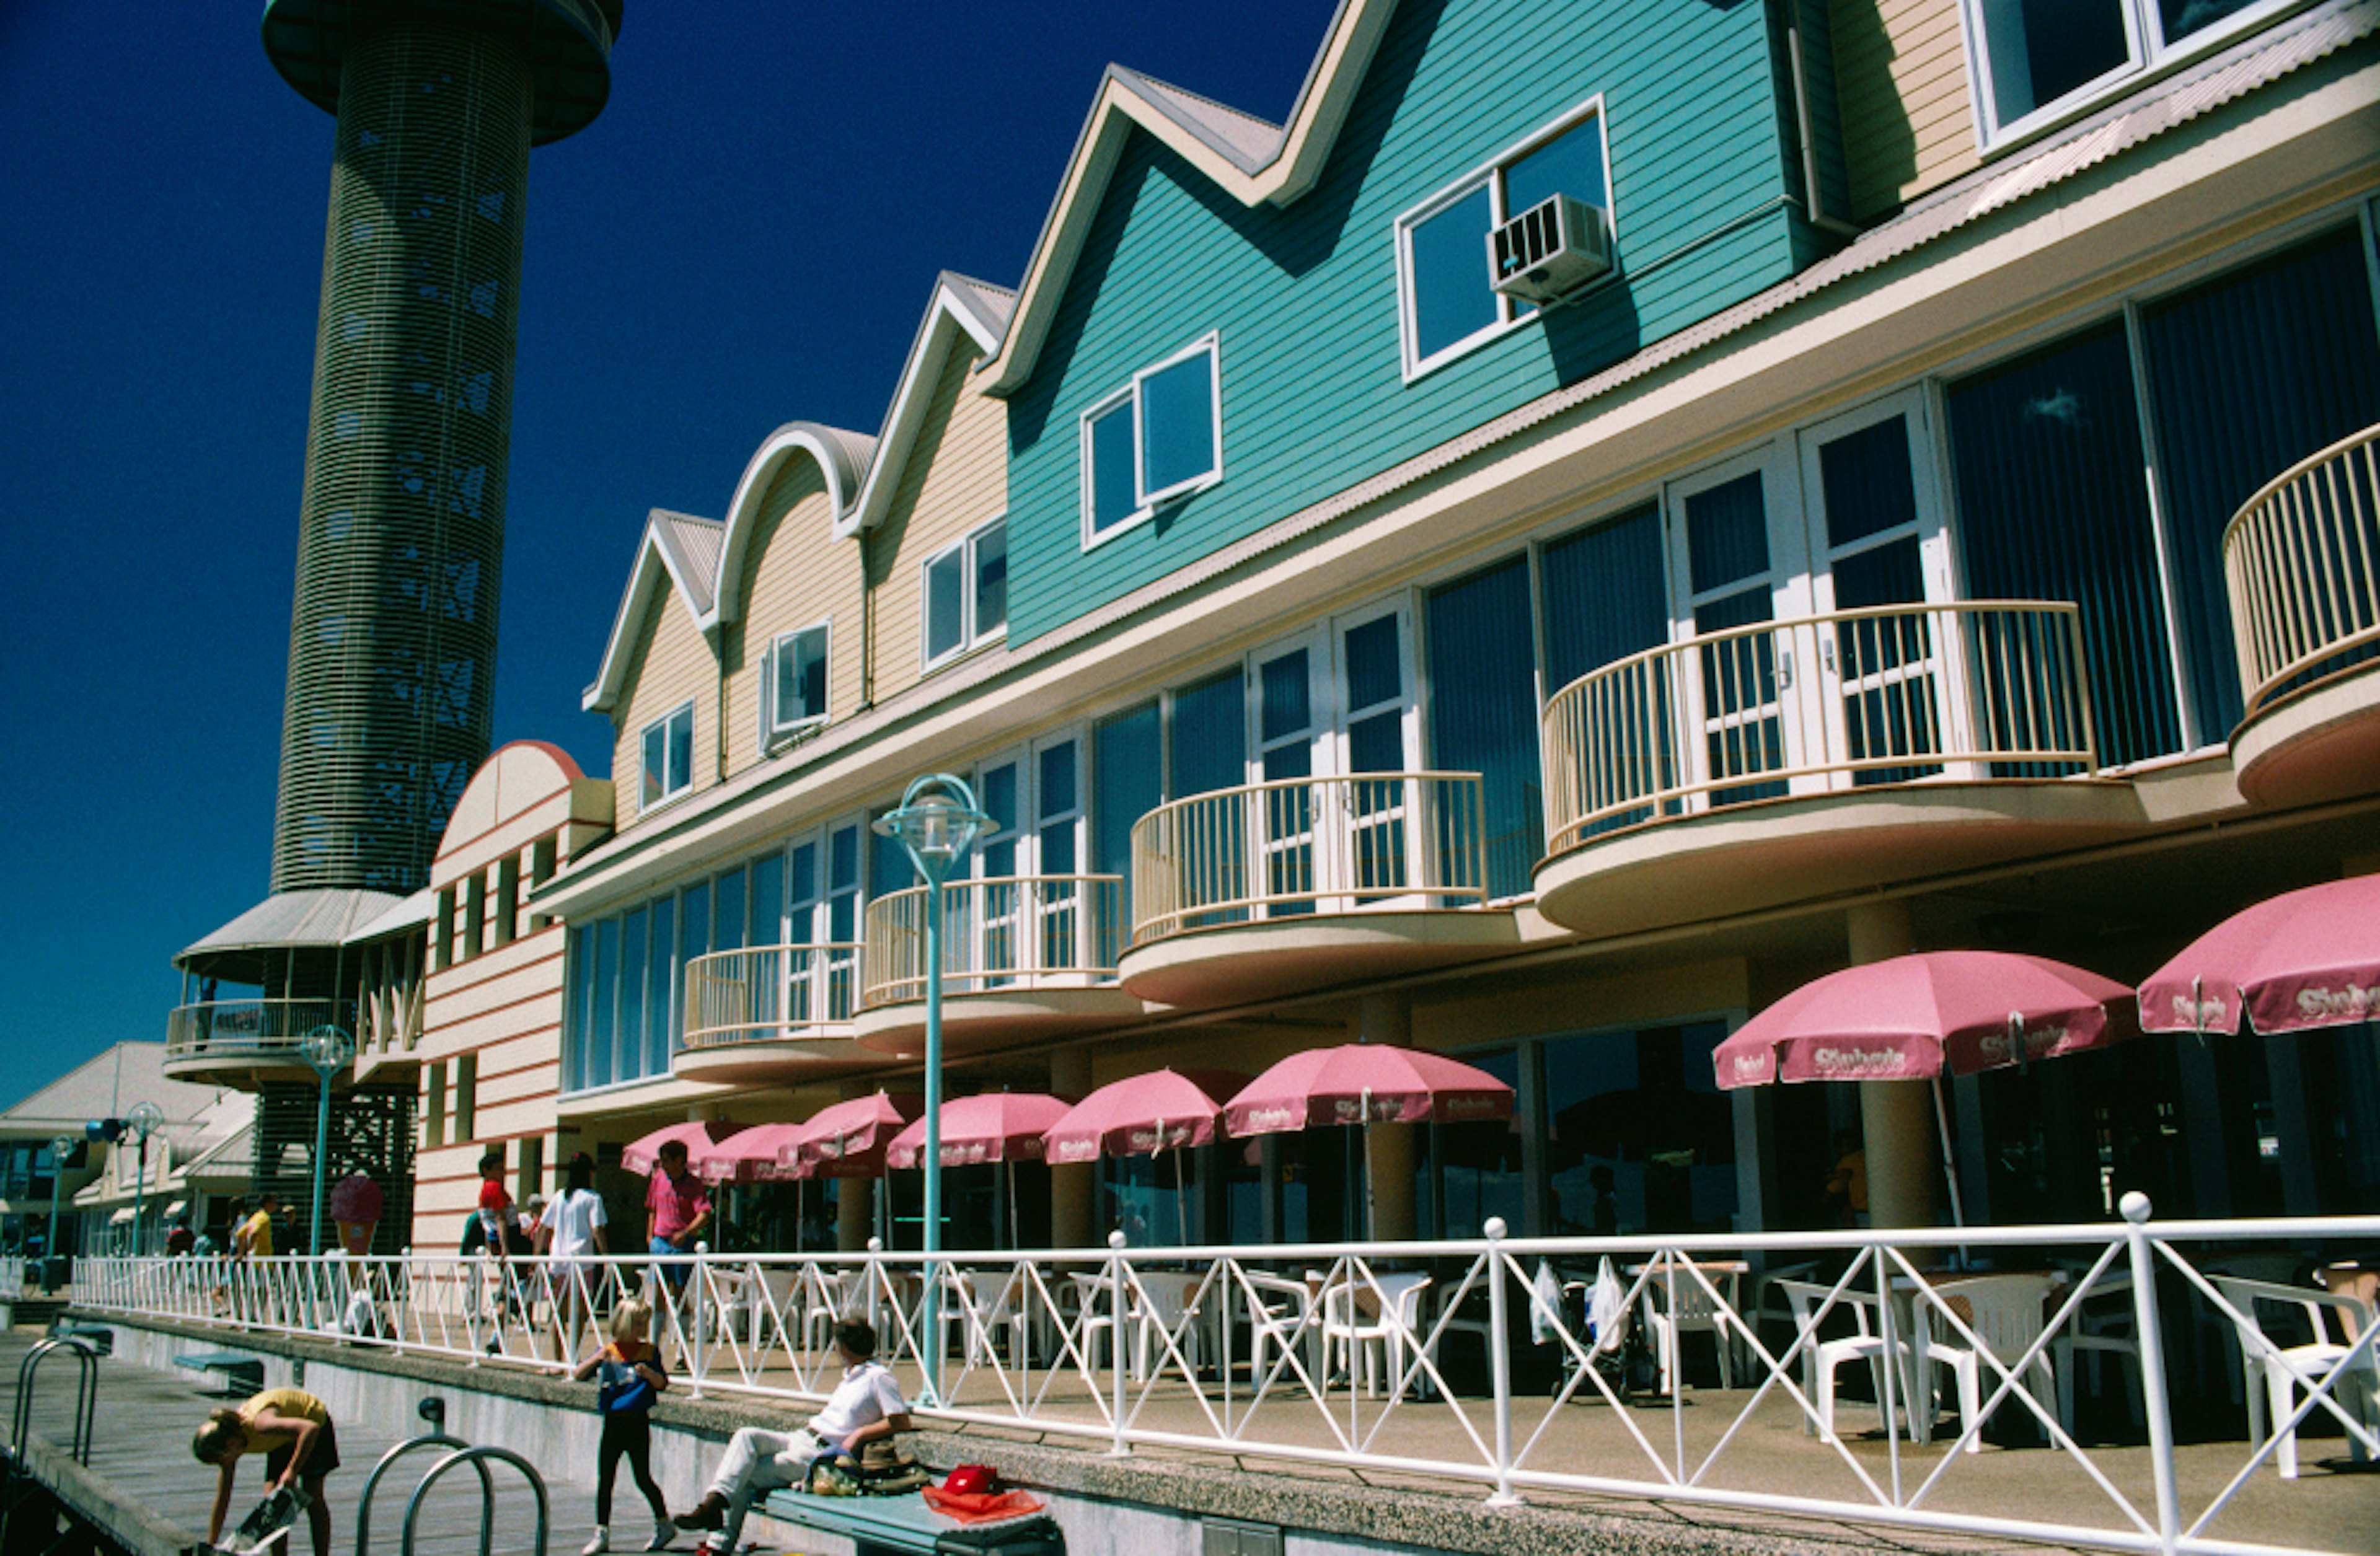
x=1270, y=958
x=2320, y=744
x=794, y=1054
x=995, y=1018
x=1769, y=853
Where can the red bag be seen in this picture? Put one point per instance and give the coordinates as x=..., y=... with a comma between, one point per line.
x=981, y=1507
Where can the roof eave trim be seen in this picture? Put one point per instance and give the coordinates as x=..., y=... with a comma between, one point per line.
x=744, y=511
x=635, y=601
x=950, y=312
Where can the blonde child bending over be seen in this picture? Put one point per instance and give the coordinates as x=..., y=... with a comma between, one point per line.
x=629, y=1375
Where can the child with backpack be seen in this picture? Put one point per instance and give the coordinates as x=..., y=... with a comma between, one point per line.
x=629, y=1376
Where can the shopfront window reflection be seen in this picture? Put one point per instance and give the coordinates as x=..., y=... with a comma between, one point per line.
x=1638, y=1137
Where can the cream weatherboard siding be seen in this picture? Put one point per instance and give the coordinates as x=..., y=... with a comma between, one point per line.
x=796, y=573
x=1908, y=113
x=956, y=479
x=670, y=663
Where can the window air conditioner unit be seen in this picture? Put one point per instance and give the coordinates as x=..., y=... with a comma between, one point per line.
x=1549, y=250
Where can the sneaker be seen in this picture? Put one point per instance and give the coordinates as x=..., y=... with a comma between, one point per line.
x=663, y=1532
x=600, y=1544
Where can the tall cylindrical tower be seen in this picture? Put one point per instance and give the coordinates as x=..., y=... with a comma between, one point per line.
x=400, y=548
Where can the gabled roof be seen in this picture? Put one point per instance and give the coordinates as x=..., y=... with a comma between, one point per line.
x=1253, y=162
x=961, y=306
x=678, y=548
x=842, y=459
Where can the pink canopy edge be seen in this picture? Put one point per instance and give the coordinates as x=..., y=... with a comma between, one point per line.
x=847, y=1138
x=993, y=1127
x=1910, y=1017
x=642, y=1155
x=2305, y=959
x=747, y=1156
x=1164, y=1109
x=1365, y=1083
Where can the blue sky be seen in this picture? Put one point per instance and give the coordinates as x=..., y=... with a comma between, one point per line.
x=745, y=237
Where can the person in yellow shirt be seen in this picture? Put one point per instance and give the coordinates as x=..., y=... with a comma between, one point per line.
x=254, y=1238
x=293, y=1430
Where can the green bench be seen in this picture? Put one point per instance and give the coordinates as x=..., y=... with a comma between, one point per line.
x=240, y=1376
x=877, y=1524
x=99, y=1337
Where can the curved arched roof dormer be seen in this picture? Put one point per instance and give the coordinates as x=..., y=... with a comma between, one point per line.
x=1249, y=160
x=842, y=459
x=679, y=550
x=961, y=307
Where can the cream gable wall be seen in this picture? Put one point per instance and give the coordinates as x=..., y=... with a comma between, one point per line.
x=956, y=478
x=670, y=663
x=1908, y=112
x=796, y=573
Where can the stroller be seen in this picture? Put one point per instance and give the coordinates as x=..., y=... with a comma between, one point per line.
x=1597, y=1311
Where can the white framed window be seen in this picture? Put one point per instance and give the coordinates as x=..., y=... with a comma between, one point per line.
x=1159, y=438
x=668, y=764
x=1446, y=305
x=794, y=683
x=2036, y=61
x=965, y=594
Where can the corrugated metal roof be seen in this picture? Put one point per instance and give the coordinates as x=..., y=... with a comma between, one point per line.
x=321, y=916
x=411, y=913
x=1248, y=141
x=693, y=546
x=991, y=305
x=115, y=1077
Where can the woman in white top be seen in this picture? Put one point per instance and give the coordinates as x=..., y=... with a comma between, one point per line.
x=570, y=1235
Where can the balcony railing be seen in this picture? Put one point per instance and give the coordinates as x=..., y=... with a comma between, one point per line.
x=771, y=993
x=1040, y=931
x=271, y=1029
x=2302, y=560
x=1892, y=694
x=1304, y=845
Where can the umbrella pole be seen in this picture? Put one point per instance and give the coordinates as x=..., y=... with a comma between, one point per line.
x=1949, y=1168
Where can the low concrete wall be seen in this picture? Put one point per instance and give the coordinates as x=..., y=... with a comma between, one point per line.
x=1144, y=1505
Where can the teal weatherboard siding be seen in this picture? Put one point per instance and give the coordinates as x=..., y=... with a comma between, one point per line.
x=1704, y=177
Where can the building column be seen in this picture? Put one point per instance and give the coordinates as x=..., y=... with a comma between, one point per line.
x=1389, y=1149
x=1896, y=1116
x=1072, y=1185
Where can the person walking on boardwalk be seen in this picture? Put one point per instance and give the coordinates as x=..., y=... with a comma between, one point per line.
x=865, y=1406
x=293, y=1430
x=677, y=1212
x=630, y=1375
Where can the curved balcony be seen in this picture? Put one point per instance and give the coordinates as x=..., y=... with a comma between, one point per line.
x=768, y=1011
x=243, y=1043
x=1787, y=759
x=1022, y=958
x=1302, y=884
x=2301, y=559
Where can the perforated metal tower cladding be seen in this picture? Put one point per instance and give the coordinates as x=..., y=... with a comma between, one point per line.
x=400, y=551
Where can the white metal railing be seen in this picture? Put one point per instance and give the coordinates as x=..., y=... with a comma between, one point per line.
x=1300, y=845
x=251, y=1028
x=1483, y=1364
x=2301, y=559
x=12, y=1274
x=1890, y=694
x=1039, y=932
x=771, y=993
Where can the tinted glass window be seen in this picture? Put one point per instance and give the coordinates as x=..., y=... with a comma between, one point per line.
x=1114, y=498
x=2040, y=50
x=1571, y=163
x=991, y=581
x=1451, y=297
x=1483, y=711
x=945, y=603
x=1177, y=411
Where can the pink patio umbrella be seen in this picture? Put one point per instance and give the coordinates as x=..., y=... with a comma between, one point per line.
x=1914, y=1017
x=748, y=1156
x=1145, y=1115
x=998, y=1127
x=847, y=1139
x=2305, y=959
x=643, y=1155
x=1365, y=1084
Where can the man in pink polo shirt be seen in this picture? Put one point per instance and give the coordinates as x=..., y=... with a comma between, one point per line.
x=677, y=1212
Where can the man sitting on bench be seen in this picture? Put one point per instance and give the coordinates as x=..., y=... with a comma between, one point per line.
x=866, y=1405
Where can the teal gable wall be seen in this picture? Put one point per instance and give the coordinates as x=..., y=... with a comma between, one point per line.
x=1704, y=166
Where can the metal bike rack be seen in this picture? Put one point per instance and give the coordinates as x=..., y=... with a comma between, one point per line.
x=86, y=1393
x=433, y=1410
x=478, y=1456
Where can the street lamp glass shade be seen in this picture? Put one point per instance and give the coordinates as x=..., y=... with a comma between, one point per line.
x=61, y=1148
x=936, y=825
x=327, y=1047
x=144, y=1120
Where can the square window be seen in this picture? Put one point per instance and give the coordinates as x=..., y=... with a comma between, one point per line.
x=1159, y=440
x=2039, y=60
x=667, y=748
x=966, y=593
x=1446, y=288
x=990, y=571
x=797, y=679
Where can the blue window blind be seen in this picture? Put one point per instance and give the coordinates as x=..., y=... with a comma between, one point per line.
x=663, y=1022
x=1126, y=785
x=1210, y=736
x=1605, y=595
x=602, y=995
x=1483, y=711
x=635, y=963
x=582, y=1006
x=2046, y=456
x=2248, y=375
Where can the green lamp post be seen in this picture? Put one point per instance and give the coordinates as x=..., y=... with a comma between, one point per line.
x=328, y=1048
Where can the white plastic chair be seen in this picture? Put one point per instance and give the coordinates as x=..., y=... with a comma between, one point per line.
x=1160, y=1305
x=827, y=1297
x=983, y=1301
x=1346, y=1331
x=1822, y=1358
x=2271, y=1374
x=1696, y=1313
x=1279, y=1313
x=2004, y=1312
x=2101, y=1328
